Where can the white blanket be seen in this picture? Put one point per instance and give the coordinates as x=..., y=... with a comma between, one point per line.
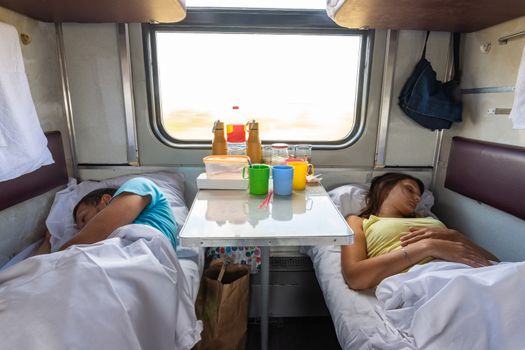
x=443, y=305
x=23, y=146
x=127, y=292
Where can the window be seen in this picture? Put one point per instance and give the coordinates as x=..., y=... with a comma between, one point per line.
x=300, y=83
x=282, y=4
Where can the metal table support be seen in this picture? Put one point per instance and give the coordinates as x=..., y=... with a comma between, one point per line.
x=265, y=291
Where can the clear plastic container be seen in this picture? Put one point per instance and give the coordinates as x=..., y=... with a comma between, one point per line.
x=267, y=154
x=304, y=151
x=236, y=148
x=225, y=166
x=291, y=151
x=279, y=153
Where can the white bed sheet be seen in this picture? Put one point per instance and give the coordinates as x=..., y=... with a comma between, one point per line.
x=193, y=272
x=448, y=305
x=191, y=260
x=479, y=308
x=356, y=322
x=125, y=292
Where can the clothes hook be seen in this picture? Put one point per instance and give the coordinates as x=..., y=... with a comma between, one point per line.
x=25, y=38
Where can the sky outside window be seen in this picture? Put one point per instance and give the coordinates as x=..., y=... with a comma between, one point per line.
x=280, y=4
x=298, y=87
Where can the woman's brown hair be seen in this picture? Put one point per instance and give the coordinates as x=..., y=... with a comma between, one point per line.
x=380, y=187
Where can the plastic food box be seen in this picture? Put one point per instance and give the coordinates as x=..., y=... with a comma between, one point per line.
x=225, y=167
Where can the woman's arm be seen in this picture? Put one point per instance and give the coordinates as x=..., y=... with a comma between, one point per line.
x=361, y=272
x=122, y=210
x=417, y=234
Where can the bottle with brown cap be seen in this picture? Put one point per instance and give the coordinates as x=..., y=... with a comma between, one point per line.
x=253, y=145
x=218, y=146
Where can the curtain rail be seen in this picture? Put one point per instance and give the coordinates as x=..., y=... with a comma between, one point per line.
x=504, y=39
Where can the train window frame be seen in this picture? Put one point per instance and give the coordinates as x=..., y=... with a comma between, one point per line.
x=215, y=20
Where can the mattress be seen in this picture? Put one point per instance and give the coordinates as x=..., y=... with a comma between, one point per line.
x=193, y=266
x=356, y=315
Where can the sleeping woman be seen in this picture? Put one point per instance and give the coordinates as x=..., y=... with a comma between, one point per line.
x=390, y=236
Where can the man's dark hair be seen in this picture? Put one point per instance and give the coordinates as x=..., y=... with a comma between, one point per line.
x=93, y=198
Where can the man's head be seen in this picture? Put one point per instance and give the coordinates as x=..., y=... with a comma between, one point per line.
x=91, y=204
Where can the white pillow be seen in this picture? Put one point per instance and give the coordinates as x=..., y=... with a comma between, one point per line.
x=60, y=221
x=349, y=199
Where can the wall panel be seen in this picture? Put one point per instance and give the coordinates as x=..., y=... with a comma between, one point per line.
x=95, y=80
x=495, y=230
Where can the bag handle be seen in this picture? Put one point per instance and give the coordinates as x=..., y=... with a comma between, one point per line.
x=223, y=270
x=425, y=47
x=225, y=261
x=456, y=40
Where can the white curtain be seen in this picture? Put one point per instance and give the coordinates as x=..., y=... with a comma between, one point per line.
x=23, y=145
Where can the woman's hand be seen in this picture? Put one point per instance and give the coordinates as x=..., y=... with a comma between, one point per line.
x=445, y=234
x=417, y=234
x=459, y=252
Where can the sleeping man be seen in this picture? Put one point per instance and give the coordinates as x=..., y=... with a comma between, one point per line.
x=125, y=279
x=100, y=212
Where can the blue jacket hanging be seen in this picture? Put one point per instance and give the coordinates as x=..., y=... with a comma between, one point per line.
x=428, y=101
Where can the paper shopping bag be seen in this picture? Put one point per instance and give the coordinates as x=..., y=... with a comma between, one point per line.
x=222, y=305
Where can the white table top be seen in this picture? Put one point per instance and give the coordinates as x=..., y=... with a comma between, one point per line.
x=233, y=217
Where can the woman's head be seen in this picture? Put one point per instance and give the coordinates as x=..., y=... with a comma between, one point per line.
x=397, y=191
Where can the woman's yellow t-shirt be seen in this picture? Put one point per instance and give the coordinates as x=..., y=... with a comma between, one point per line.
x=383, y=234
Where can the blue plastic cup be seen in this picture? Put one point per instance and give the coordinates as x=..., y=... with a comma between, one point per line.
x=282, y=180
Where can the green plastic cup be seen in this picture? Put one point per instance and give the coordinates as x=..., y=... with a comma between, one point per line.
x=259, y=177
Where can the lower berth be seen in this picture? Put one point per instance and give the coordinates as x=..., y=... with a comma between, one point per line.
x=439, y=305
x=356, y=322
x=127, y=292
x=61, y=226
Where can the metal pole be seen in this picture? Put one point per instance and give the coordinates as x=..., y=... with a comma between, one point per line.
x=386, y=97
x=265, y=291
x=68, y=109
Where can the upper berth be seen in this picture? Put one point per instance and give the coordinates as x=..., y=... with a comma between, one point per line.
x=96, y=11
x=445, y=15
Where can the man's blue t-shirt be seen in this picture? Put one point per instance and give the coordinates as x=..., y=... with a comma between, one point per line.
x=157, y=213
